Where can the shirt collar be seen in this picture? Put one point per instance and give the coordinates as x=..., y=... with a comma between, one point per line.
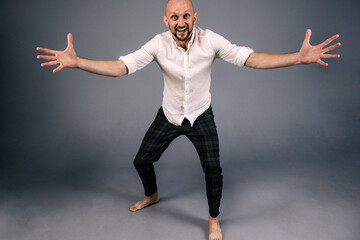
x=192, y=36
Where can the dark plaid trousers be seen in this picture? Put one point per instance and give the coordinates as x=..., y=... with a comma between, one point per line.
x=203, y=135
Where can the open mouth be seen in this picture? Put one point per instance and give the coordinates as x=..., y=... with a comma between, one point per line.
x=181, y=30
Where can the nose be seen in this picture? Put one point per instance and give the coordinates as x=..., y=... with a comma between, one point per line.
x=181, y=22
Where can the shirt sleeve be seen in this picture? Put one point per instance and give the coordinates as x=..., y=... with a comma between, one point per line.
x=227, y=51
x=142, y=57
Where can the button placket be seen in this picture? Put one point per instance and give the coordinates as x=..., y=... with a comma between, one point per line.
x=187, y=87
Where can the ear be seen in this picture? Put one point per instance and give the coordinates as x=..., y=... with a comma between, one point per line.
x=166, y=21
x=195, y=17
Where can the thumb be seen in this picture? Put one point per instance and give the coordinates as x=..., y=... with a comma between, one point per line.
x=307, y=36
x=70, y=40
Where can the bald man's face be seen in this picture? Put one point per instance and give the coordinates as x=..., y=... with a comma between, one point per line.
x=180, y=18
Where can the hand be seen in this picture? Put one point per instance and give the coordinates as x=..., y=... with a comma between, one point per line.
x=313, y=54
x=66, y=58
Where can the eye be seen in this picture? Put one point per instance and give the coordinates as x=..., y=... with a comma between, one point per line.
x=186, y=16
x=174, y=17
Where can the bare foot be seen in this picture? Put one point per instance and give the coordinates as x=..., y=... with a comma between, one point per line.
x=214, y=229
x=145, y=202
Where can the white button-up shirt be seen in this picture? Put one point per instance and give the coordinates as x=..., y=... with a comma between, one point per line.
x=187, y=74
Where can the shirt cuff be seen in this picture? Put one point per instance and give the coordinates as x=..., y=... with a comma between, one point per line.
x=244, y=55
x=129, y=64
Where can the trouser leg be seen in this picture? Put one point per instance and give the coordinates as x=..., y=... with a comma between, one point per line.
x=158, y=137
x=205, y=139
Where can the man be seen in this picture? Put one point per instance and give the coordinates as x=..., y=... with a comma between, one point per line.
x=185, y=55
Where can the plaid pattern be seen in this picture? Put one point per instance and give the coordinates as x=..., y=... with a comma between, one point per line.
x=203, y=135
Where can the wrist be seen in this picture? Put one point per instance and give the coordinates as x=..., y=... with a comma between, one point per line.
x=297, y=58
x=79, y=62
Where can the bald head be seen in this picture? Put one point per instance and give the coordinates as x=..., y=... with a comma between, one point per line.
x=176, y=4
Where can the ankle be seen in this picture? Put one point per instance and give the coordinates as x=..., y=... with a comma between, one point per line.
x=213, y=220
x=154, y=196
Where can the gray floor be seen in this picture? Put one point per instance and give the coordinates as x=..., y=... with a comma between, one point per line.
x=264, y=198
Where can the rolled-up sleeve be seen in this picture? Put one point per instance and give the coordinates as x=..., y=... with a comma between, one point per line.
x=142, y=57
x=227, y=51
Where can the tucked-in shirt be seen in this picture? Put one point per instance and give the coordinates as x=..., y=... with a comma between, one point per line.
x=187, y=74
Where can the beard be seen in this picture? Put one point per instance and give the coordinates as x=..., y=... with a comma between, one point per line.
x=186, y=37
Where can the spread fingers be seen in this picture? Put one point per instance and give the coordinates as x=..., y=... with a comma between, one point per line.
x=49, y=63
x=50, y=58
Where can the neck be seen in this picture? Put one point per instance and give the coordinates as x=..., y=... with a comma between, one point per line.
x=182, y=44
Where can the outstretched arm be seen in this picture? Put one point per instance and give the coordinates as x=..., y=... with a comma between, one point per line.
x=69, y=59
x=307, y=54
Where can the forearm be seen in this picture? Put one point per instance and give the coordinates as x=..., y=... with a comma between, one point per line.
x=102, y=67
x=272, y=60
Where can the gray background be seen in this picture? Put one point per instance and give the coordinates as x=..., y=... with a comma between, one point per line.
x=289, y=137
